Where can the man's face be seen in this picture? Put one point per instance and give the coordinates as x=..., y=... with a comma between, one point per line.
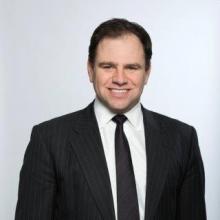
x=119, y=72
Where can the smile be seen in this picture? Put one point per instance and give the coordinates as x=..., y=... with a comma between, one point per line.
x=119, y=90
x=119, y=93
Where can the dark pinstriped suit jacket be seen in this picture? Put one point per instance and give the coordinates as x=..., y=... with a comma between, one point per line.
x=64, y=175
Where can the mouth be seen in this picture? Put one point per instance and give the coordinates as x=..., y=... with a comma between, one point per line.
x=119, y=90
x=119, y=93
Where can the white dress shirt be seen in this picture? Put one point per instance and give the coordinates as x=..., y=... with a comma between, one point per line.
x=134, y=130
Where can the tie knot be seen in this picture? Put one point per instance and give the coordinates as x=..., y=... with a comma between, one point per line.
x=119, y=119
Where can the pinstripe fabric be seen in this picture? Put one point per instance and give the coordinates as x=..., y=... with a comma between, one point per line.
x=64, y=174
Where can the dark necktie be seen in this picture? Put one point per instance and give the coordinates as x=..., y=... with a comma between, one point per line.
x=126, y=187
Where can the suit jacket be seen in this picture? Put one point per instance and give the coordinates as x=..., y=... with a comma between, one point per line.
x=65, y=177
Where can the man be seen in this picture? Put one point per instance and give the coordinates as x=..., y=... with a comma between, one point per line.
x=114, y=159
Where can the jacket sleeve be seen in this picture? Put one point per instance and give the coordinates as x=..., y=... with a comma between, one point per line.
x=37, y=184
x=191, y=199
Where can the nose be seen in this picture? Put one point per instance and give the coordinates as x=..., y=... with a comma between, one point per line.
x=119, y=77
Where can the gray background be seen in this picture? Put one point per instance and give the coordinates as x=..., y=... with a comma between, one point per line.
x=43, y=55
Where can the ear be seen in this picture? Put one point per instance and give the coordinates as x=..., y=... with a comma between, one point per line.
x=147, y=71
x=90, y=70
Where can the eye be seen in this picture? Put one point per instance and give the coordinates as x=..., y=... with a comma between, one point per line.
x=107, y=66
x=133, y=67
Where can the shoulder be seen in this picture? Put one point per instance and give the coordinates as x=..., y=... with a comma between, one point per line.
x=178, y=137
x=165, y=122
x=62, y=124
x=172, y=129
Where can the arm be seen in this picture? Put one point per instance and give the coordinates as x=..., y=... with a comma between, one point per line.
x=191, y=201
x=37, y=182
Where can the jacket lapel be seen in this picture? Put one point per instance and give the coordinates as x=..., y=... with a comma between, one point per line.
x=156, y=163
x=87, y=144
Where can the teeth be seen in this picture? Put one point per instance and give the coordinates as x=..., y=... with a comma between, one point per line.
x=119, y=90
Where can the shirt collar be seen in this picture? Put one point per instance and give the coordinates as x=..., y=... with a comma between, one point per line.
x=135, y=116
x=104, y=115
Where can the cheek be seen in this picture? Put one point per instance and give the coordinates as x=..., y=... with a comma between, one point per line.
x=103, y=80
x=138, y=81
x=143, y=80
x=101, y=83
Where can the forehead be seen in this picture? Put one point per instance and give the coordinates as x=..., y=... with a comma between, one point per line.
x=127, y=47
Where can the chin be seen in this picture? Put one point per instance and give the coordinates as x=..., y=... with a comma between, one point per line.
x=118, y=106
x=119, y=109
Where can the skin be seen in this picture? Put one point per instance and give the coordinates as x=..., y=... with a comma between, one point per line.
x=119, y=72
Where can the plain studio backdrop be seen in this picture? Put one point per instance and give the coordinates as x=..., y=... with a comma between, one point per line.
x=43, y=56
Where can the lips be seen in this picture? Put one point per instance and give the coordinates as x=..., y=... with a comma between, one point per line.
x=119, y=93
x=119, y=90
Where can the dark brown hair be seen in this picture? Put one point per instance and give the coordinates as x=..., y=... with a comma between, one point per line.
x=117, y=27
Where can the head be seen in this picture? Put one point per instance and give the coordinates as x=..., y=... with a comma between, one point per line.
x=119, y=63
